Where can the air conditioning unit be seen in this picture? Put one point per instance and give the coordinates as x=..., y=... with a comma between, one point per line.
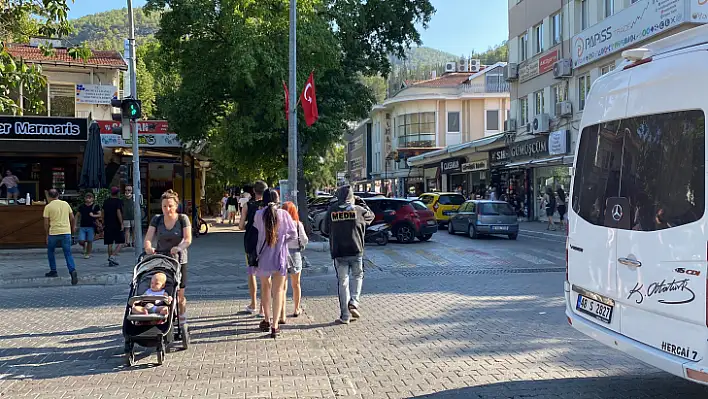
x=563, y=68
x=510, y=125
x=474, y=65
x=511, y=72
x=451, y=67
x=541, y=124
x=564, y=108
x=462, y=67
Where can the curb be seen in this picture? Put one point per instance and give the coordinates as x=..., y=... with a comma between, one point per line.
x=35, y=282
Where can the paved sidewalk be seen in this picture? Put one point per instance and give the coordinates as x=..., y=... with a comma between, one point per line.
x=540, y=229
x=26, y=267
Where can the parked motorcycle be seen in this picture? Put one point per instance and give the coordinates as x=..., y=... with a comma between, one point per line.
x=378, y=234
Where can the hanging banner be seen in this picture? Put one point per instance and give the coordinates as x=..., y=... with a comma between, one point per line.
x=95, y=94
x=144, y=140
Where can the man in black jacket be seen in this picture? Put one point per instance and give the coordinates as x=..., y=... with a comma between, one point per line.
x=250, y=239
x=346, y=223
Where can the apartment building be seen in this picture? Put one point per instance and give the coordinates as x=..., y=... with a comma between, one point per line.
x=468, y=102
x=557, y=49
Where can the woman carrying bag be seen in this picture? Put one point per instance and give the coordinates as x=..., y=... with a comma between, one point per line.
x=295, y=260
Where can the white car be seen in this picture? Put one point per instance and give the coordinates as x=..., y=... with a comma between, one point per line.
x=638, y=230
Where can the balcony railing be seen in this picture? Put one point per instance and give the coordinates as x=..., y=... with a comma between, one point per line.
x=424, y=140
x=485, y=88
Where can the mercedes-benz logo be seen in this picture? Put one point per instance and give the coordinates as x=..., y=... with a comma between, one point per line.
x=617, y=212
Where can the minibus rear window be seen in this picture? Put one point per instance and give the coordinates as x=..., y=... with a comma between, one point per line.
x=655, y=161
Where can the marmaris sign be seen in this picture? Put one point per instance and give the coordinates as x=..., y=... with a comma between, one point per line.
x=636, y=23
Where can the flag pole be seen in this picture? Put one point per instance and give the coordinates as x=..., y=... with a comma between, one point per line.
x=292, y=120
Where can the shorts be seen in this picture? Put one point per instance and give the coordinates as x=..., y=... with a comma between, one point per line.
x=87, y=234
x=13, y=190
x=128, y=224
x=561, y=210
x=183, y=272
x=549, y=212
x=113, y=236
x=297, y=262
x=232, y=208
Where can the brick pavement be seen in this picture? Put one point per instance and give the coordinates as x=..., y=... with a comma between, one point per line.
x=437, y=324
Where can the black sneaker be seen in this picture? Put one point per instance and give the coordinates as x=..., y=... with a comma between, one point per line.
x=52, y=273
x=74, y=278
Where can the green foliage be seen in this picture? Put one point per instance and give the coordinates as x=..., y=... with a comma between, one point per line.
x=322, y=173
x=377, y=85
x=107, y=30
x=20, y=20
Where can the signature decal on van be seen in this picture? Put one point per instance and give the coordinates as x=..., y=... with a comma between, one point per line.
x=659, y=289
x=678, y=350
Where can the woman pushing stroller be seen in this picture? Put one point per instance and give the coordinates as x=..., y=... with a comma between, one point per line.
x=172, y=232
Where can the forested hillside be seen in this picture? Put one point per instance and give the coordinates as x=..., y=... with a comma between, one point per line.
x=107, y=30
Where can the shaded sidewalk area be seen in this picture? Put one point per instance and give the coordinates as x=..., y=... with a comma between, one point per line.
x=215, y=257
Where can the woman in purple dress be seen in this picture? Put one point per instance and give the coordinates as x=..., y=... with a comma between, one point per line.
x=275, y=229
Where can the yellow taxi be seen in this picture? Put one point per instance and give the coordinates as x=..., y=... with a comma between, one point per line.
x=443, y=205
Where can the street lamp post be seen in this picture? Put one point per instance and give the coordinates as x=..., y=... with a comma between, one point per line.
x=292, y=125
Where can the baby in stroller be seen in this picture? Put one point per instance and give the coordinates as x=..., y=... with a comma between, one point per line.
x=157, y=288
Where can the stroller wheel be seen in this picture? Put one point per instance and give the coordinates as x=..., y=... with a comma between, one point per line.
x=185, y=336
x=160, y=356
x=129, y=353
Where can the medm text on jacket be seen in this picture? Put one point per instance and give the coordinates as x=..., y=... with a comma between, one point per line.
x=341, y=216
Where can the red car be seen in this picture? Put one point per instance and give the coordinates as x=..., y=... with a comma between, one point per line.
x=409, y=218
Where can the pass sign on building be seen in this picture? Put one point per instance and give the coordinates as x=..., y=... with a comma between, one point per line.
x=95, y=94
x=634, y=24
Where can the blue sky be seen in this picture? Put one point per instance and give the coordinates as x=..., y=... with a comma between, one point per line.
x=458, y=26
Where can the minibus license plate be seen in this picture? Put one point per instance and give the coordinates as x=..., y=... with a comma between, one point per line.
x=594, y=308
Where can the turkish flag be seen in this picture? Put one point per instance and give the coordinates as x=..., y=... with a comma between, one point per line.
x=309, y=101
x=287, y=101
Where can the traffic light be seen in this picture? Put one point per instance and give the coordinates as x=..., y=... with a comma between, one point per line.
x=123, y=174
x=130, y=109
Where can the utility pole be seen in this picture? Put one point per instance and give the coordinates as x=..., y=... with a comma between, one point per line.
x=292, y=125
x=137, y=192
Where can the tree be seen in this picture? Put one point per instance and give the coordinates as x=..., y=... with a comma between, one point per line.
x=232, y=56
x=20, y=20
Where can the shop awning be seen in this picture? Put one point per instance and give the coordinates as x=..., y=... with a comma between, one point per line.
x=451, y=149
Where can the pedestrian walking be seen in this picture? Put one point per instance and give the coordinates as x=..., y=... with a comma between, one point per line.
x=113, y=225
x=172, y=232
x=232, y=204
x=224, y=208
x=58, y=224
x=275, y=229
x=345, y=224
x=250, y=241
x=88, y=214
x=243, y=200
x=11, y=182
x=549, y=204
x=129, y=216
x=562, y=205
x=295, y=259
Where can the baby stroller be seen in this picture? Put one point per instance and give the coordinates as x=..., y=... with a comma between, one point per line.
x=153, y=330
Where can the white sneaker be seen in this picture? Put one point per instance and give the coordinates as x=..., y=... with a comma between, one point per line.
x=250, y=310
x=341, y=321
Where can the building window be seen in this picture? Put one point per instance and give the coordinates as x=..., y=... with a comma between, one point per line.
x=453, y=122
x=583, y=89
x=539, y=102
x=559, y=93
x=523, y=46
x=557, y=29
x=493, y=119
x=538, y=37
x=416, y=130
x=584, y=14
x=609, y=8
x=62, y=100
x=524, y=107
x=607, y=69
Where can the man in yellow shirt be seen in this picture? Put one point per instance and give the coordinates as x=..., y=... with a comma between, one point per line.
x=59, y=223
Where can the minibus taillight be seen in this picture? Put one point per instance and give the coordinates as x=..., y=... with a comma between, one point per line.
x=637, y=63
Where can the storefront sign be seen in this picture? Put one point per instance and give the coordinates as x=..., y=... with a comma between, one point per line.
x=499, y=157
x=154, y=127
x=558, y=142
x=95, y=94
x=451, y=165
x=538, y=65
x=475, y=166
x=634, y=24
x=529, y=148
x=40, y=128
x=144, y=140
